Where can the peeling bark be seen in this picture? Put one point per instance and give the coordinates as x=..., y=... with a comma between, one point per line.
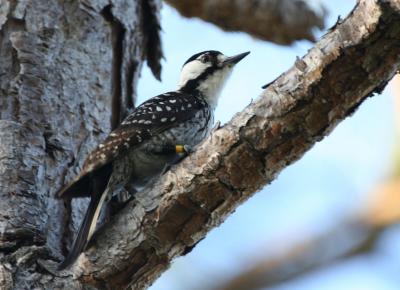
x=279, y=21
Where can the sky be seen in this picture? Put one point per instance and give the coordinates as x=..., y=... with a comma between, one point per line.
x=327, y=185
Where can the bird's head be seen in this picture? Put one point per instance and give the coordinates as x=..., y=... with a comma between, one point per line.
x=206, y=73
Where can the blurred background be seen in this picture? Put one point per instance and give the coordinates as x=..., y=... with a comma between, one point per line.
x=329, y=221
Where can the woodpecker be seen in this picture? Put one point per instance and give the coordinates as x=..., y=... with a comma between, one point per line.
x=154, y=135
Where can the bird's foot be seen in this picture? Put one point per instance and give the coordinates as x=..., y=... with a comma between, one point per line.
x=118, y=202
x=185, y=149
x=164, y=149
x=216, y=126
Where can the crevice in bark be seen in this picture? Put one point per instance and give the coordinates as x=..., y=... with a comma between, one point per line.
x=52, y=145
x=12, y=241
x=13, y=25
x=117, y=38
x=229, y=187
x=67, y=230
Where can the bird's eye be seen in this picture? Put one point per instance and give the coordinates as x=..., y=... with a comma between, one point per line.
x=205, y=58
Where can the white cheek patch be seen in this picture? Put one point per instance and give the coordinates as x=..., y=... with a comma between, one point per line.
x=213, y=85
x=191, y=71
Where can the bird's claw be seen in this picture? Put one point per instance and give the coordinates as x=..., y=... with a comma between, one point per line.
x=216, y=126
x=188, y=149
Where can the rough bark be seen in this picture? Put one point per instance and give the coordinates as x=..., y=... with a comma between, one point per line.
x=279, y=21
x=352, y=62
x=67, y=68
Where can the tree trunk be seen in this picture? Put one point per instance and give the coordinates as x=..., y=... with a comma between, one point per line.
x=68, y=72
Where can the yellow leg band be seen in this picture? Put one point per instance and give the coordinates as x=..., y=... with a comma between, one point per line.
x=179, y=149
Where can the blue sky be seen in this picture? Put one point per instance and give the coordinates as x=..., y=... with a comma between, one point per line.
x=328, y=184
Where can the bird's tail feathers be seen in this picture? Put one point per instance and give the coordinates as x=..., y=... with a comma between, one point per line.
x=80, y=187
x=86, y=229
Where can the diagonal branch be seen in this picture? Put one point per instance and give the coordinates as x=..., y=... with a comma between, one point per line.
x=279, y=21
x=354, y=60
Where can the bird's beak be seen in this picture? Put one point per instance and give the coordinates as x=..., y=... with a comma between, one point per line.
x=235, y=59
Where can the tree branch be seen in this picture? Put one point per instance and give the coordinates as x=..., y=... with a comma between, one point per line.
x=279, y=21
x=354, y=60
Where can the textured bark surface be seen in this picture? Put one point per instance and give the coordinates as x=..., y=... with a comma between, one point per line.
x=352, y=62
x=66, y=70
x=279, y=21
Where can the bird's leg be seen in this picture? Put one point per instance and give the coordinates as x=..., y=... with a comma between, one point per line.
x=114, y=204
x=216, y=126
x=169, y=149
x=121, y=199
x=183, y=151
x=179, y=151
